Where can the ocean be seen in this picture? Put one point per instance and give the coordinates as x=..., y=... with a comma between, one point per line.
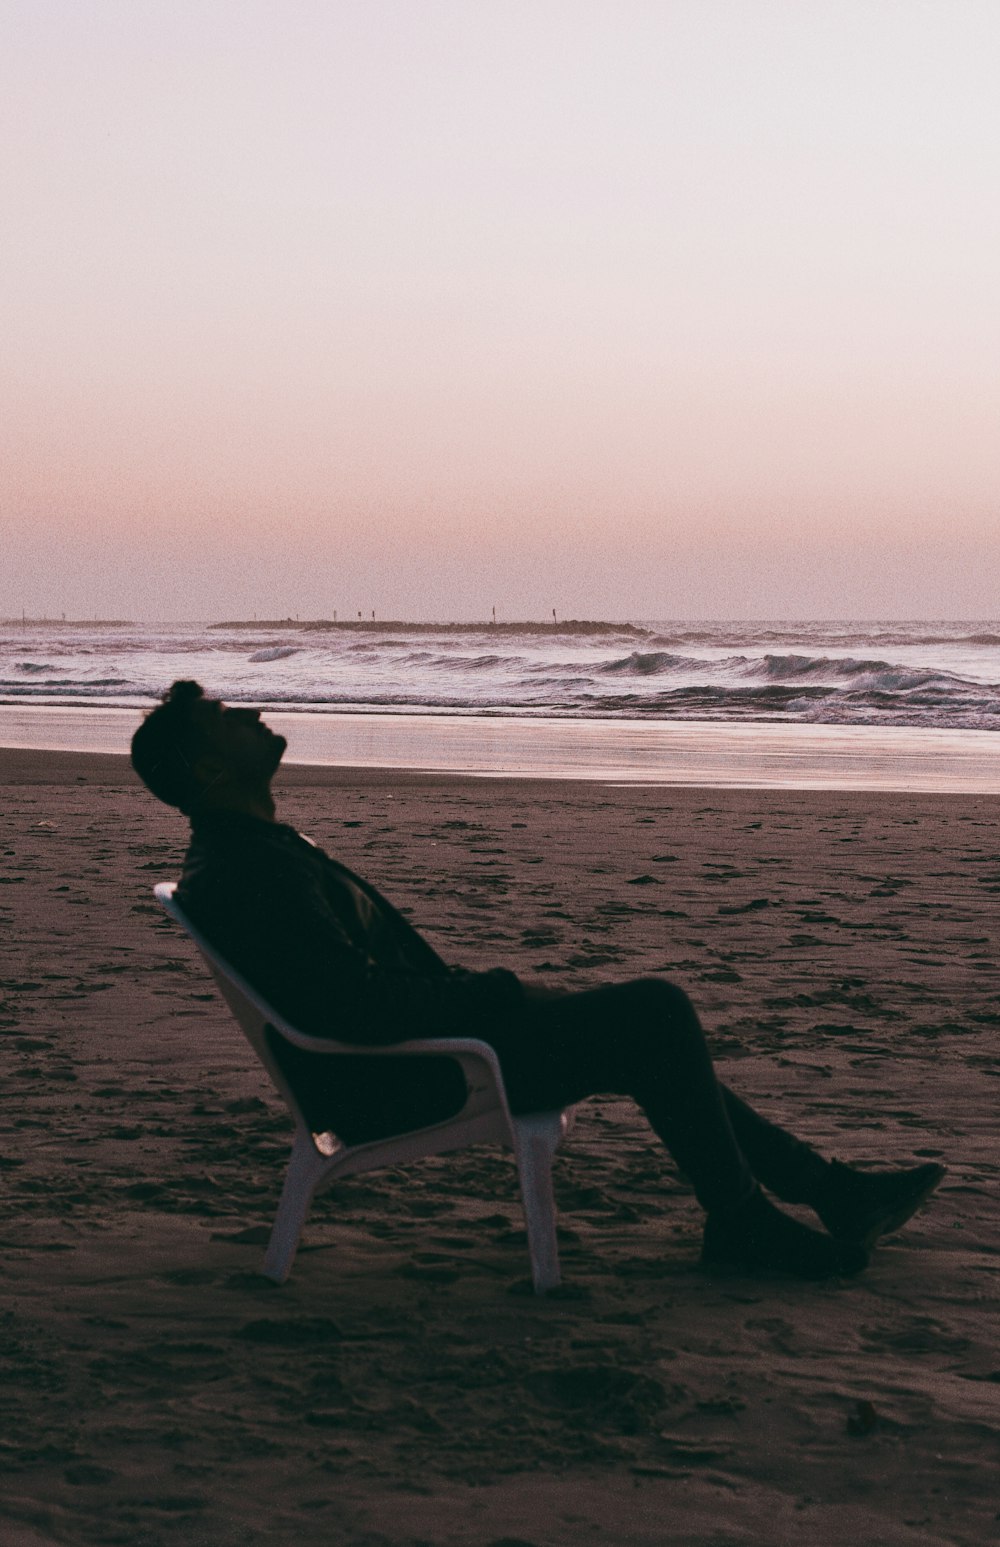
x=601, y=699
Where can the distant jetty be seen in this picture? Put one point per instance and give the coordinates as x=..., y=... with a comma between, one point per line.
x=397, y=626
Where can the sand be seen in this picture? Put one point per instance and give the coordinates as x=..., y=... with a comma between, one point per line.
x=403, y=1388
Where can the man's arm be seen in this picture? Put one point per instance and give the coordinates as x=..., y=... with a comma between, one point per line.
x=299, y=956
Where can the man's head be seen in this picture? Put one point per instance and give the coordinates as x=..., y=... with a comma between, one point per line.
x=197, y=753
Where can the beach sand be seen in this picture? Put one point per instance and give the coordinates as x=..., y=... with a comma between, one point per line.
x=403, y=1388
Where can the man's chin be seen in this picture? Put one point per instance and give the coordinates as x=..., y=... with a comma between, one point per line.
x=278, y=745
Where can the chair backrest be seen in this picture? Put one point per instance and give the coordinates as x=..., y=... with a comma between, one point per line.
x=254, y=1015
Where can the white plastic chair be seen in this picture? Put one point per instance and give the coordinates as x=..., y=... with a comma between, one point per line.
x=317, y=1158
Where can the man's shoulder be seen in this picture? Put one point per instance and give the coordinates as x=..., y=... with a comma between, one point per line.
x=236, y=850
x=233, y=830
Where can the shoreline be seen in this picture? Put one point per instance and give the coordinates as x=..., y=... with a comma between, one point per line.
x=37, y=767
x=662, y=754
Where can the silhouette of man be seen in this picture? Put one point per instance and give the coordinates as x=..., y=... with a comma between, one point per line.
x=338, y=960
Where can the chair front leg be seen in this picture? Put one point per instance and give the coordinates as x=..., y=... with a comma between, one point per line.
x=536, y=1138
x=305, y=1170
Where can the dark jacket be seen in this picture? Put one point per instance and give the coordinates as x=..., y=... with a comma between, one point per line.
x=337, y=960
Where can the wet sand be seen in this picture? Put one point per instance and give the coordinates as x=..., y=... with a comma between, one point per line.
x=701, y=754
x=402, y=1388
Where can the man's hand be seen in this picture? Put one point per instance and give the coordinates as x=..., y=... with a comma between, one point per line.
x=538, y=993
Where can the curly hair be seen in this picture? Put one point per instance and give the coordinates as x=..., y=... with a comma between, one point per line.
x=166, y=746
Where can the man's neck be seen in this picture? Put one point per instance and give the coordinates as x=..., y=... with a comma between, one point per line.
x=257, y=803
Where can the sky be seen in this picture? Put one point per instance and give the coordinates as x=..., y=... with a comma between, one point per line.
x=676, y=309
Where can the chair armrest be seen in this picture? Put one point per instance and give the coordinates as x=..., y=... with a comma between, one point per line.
x=478, y=1060
x=413, y=1045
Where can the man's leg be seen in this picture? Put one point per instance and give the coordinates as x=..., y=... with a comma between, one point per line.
x=643, y=1039
x=853, y=1205
x=789, y=1168
x=640, y=1039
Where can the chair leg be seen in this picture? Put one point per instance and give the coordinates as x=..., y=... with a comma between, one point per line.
x=535, y=1143
x=305, y=1168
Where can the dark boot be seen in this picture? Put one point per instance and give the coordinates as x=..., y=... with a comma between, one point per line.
x=756, y=1237
x=860, y=1206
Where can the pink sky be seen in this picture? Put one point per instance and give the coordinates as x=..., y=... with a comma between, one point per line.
x=629, y=309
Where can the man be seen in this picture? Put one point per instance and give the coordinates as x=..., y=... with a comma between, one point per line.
x=338, y=960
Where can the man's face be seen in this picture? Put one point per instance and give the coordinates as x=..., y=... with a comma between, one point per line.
x=236, y=741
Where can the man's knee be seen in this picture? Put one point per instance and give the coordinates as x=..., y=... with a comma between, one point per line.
x=660, y=1033
x=661, y=1015
x=663, y=999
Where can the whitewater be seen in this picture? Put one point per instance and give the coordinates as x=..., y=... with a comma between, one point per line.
x=933, y=675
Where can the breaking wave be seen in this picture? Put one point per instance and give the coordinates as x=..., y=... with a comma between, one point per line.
x=650, y=663
x=874, y=675
x=276, y=653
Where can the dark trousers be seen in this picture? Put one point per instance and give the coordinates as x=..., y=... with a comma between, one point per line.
x=640, y=1039
x=643, y=1039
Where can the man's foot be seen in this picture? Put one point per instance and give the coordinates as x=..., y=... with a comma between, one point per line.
x=860, y=1206
x=756, y=1237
